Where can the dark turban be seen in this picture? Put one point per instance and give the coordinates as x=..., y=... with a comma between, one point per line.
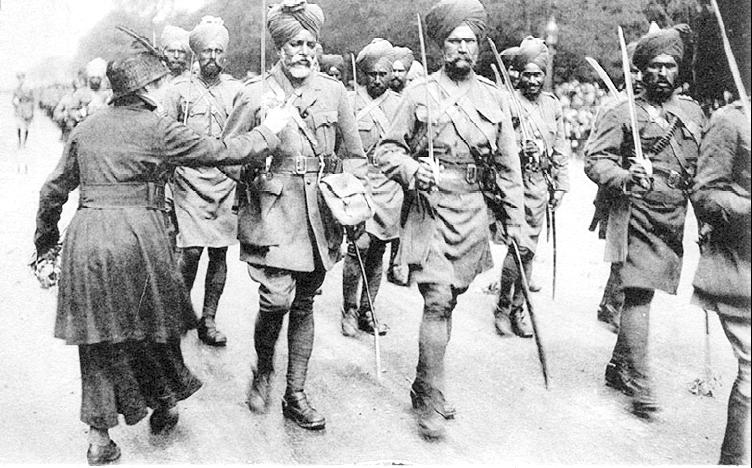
x=210, y=31
x=446, y=15
x=404, y=55
x=378, y=50
x=532, y=50
x=286, y=19
x=666, y=41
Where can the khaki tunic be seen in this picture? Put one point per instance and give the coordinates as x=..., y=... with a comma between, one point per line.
x=373, y=117
x=283, y=221
x=646, y=231
x=445, y=236
x=203, y=196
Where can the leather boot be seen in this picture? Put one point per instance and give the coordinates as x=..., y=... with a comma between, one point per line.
x=163, y=419
x=617, y=377
x=259, y=390
x=502, y=323
x=295, y=406
x=431, y=423
x=102, y=454
x=208, y=333
x=521, y=323
x=365, y=323
x=349, y=323
x=644, y=403
x=445, y=408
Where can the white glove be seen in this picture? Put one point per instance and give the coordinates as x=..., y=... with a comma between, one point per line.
x=277, y=118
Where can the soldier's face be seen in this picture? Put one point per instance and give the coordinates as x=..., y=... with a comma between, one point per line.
x=460, y=50
x=95, y=82
x=377, y=78
x=211, y=60
x=176, y=57
x=334, y=72
x=298, y=55
x=399, y=75
x=531, y=80
x=660, y=77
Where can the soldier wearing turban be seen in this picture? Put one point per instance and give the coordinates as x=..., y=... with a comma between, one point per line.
x=445, y=235
x=89, y=99
x=374, y=105
x=175, y=48
x=544, y=159
x=403, y=60
x=203, y=196
x=646, y=218
x=333, y=65
x=288, y=239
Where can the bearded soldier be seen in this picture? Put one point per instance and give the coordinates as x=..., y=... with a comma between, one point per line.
x=374, y=105
x=288, y=236
x=403, y=60
x=176, y=50
x=445, y=238
x=204, y=196
x=544, y=161
x=646, y=222
x=92, y=97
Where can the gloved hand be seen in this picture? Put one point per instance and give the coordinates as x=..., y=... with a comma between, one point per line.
x=277, y=118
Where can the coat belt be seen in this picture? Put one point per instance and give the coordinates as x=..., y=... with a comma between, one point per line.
x=305, y=165
x=120, y=195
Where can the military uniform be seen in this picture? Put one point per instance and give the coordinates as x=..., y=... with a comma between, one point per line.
x=86, y=101
x=721, y=198
x=373, y=117
x=287, y=234
x=445, y=238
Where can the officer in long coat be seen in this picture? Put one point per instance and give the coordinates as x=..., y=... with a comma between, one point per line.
x=544, y=162
x=646, y=223
x=374, y=105
x=203, y=196
x=287, y=234
x=445, y=238
x=721, y=198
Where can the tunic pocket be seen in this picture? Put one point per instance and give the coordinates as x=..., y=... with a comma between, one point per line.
x=325, y=122
x=263, y=217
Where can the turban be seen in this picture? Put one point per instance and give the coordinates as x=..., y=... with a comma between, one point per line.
x=172, y=34
x=665, y=41
x=328, y=61
x=375, y=52
x=446, y=15
x=404, y=55
x=285, y=20
x=415, y=71
x=508, y=56
x=97, y=67
x=209, y=32
x=532, y=50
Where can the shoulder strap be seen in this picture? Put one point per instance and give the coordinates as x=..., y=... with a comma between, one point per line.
x=373, y=109
x=452, y=112
x=302, y=126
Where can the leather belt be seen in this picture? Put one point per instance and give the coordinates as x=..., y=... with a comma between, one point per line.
x=305, y=165
x=473, y=173
x=120, y=195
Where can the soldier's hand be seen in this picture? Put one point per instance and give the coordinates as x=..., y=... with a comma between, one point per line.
x=639, y=175
x=514, y=234
x=556, y=199
x=531, y=149
x=277, y=118
x=424, y=177
x=354, y=232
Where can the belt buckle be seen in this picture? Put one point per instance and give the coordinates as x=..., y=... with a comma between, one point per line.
x=300, y=165
x=674, y=180
x=471, y=173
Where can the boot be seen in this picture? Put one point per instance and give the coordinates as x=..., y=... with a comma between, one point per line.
x=258, y=393
x=617, y=377
x=644, y=404
x=446, y=409
x=102, y=454
x=295, y=406
x=365, y=323
x=431, y=423
x=502, y=323
x=163, y=419
x=521, y=323
x=208, y=333
x=349, y=323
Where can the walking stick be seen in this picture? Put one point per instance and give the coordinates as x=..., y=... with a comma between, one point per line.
x=531, y=312
x=367, y=291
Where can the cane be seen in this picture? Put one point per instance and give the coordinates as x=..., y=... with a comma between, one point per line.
x=367, y=292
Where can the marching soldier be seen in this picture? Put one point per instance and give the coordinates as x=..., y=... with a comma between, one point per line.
x=374, y=105
x=176, y=49
x=288, y=236
x=23, y=108
x=544, y=163
x=203, y=196
x=445, y=232
x=646, y=222
x=721, y=198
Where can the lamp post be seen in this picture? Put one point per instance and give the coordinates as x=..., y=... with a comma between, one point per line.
x=552, y=38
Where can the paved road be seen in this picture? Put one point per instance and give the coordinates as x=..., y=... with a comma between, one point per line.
x=504, y=413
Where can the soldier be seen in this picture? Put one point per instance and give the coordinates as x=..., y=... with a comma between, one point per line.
x=403, y=60
x=646, y=222
x=332, y=65
x=287, y=234
x=544, y=162
x=204, y=196
x=445, y=238
x=92, y=97
x=721, y=199
x=374, y=105
x=61, y=114
x=176, y=50
x=23, y=108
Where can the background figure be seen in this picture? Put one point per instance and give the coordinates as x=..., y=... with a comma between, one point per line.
x=23, y=108
x=176, y=50
x=332, y=65
x=721, y=198
x=374, y=105
x=91, y=97
x=203, y=196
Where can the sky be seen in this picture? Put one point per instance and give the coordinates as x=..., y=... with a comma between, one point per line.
x=34, y=30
